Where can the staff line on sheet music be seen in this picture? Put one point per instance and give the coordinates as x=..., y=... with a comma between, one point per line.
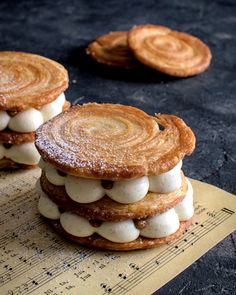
x=16, y=202
x=151, y=267
x=30, y=263
x=7, y=238
x=147, y=268
x=167, y=257
x=42, y=278
x=201, y=230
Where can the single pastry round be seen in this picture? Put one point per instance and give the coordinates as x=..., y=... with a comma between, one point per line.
x=141, y=242
x=29, y=80
x=114, y=142
x=170, y=52
x=112, y=49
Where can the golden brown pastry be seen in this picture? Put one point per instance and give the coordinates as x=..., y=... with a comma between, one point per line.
x=29, y=80
x=112, y=49
x=31, y=92
x=113, y=142
x=170, y=52
x=112, y=178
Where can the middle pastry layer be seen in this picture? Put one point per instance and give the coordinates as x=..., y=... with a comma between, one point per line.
x=157, y=226
x=110, y=210
x=82, y=190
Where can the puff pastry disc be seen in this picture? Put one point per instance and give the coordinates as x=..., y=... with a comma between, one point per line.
x=170, y=52
x=112, y=49
x=109, y=141
x=29, y=80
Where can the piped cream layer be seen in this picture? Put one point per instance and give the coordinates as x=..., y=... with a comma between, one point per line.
x=25, y=153
x=30, y=119
x=84, y=190
x=161, y=225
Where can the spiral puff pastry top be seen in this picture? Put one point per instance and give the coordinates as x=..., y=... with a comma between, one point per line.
x=171, y=52
x=115, y=142
x=29, y=81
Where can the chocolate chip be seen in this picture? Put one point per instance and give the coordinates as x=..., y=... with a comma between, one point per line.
x=61, y=173
x=107, y=184
x=140, y=223
x=95, y=223
x=12, y=113
x=61, y=210
x=7, y=145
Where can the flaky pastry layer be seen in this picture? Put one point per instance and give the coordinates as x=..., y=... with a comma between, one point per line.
x=106, y=209
x=8, y=164
x=29, y=80
x=140, y=243
x=170, y=52
x=112, y=141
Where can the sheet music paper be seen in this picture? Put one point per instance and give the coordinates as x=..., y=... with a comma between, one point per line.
x=35, y=260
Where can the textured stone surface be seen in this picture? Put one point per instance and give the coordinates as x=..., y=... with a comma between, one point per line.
x=61, y=29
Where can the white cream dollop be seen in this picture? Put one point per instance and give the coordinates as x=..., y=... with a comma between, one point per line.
x=161, y=225
x=47, y=207
x=30, y=119
x=4, y=120
x=54, y=108
x=129, y=191
x=166, y=182
x=83, y=190
x=53, y=176
x=25, y=153
x=76, y=225
x=42, y=164
x=118, y=231
x=185, y=209
x=26, y=121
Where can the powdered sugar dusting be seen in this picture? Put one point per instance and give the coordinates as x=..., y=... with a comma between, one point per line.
x=109, y=141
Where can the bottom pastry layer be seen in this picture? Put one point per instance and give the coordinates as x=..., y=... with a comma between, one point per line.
x=8, y=164
x=97, y=241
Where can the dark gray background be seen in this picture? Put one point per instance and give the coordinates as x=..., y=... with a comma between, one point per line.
x=61, y=30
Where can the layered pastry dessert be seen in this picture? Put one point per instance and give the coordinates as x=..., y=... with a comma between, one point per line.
x=31, y=92
x=112, y=178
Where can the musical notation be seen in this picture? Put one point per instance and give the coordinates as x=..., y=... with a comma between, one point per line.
x=35, y=260
x=189, y=238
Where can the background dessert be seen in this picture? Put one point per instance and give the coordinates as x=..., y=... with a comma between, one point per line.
x=31, y=92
